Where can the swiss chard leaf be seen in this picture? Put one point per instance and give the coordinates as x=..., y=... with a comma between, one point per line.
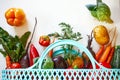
x=3, y=52
x=5, y=36
x=3, y=32
x=25, y=37
x=4, y=44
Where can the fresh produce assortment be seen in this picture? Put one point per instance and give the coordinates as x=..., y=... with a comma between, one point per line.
x=19, y=53
x=73, y=61
x=14, y=47
x=69, y=59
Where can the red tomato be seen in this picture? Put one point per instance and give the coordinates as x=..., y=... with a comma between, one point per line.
x=44, y=40
x=15, y=65
x=70, y=67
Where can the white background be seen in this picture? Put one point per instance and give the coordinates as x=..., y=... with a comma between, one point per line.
x=50, y=13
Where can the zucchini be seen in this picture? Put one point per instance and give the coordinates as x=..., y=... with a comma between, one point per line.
x=115, y=63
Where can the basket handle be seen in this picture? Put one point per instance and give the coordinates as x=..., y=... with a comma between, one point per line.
x=70, y=42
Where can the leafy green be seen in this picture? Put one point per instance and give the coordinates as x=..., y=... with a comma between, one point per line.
x=3, y=52
x=67, y=33
x=91, y=7
x=13, y=46
x=101, y=11
x=25, y=37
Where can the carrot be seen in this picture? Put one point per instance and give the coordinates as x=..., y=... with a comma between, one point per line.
x=111, y=55
x=99, y=53
x=51, y=51
x=8, y=61
x=105, y=54
x=113, y=48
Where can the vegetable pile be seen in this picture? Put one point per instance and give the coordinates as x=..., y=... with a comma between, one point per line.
x=68, y=59
x=106, y=51
x=106, y=55
x=14, y=47
x=20, y=53
x=71, y=58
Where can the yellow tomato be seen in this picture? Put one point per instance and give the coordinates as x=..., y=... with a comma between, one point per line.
x=15, y=16
x=78, y=62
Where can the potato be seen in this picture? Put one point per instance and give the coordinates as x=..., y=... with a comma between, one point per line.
x=101, y=35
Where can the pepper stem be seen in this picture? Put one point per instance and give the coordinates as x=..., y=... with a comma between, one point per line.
x=98, y=1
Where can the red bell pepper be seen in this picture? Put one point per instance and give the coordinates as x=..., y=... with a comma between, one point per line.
x=33, y=54
x=107, y=65
x=44, y=40
x=103, y=64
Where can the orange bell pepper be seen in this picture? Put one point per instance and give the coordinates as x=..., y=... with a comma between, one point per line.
x=15, y=16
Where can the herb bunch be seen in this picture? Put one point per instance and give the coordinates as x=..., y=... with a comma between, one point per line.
x=67, y=33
